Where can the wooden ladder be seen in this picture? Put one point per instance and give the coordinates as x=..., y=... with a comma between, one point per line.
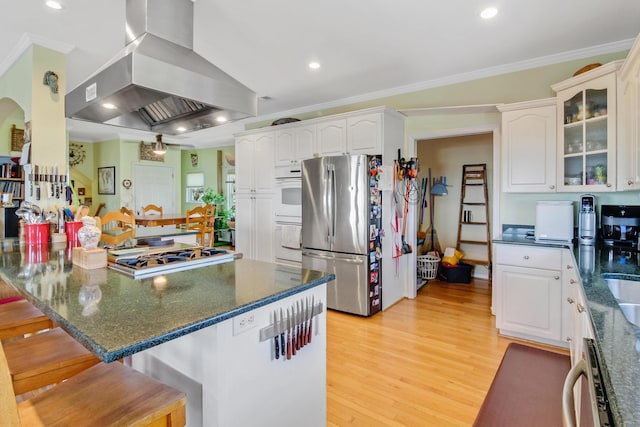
x=472, y=215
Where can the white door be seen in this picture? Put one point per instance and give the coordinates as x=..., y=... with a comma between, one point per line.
x=154, y=184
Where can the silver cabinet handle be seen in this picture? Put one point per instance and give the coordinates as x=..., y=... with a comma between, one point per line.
x=573, y=281
x=580, y=308
x=556, y=277
x=569, y=266
x=629, y=182
x=568, y=339
x=526, y=257
x=552, y=187
x=570, y=300
x=608, y=185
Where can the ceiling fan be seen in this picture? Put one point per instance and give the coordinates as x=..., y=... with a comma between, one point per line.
x=160, y=147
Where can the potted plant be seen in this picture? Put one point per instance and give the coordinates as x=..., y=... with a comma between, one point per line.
x=210, y=197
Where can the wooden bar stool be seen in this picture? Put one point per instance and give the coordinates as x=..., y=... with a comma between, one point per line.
x=103, y=395
x=21, y=317
x=45, y=358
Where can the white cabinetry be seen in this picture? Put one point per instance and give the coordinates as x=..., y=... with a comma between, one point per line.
x=587, y=130
x=332, y=138
x=364, y=134
x=528, y=283
x=254, y=163
x=529, y=146
x=254, y=195
x=294, y=144
x=629, y=121
x=575, y=309
x=254, y=226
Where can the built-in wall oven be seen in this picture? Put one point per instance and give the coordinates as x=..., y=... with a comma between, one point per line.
x=288, y=215
x=289, y=193
x=595, y=407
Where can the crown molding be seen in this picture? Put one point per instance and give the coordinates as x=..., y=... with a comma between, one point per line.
x=26, y=41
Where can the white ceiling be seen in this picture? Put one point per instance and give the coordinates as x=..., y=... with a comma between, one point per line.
x=367, y=48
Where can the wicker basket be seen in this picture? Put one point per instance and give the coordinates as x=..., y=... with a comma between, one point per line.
x=428, y=266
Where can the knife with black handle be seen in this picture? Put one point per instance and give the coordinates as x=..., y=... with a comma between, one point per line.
x=282, y=343
x=275, y=336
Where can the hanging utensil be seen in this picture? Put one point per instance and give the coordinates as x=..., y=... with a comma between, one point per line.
x=289, y=333
x=282, y=326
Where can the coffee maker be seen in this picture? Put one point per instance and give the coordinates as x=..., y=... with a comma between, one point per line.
x=587, y=229
x=620, y=225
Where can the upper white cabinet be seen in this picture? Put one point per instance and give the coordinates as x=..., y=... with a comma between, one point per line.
x=332, y=138
x=254, y=162
x=364, y=134
x=370, y=131
x=587, y=130
x=294, y=144
x=529, y=146
x=629, y=121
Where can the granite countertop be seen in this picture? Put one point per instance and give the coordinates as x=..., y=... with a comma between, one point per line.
x=115, y=316
x=617, y=340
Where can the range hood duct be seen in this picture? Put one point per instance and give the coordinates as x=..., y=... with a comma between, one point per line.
x=157, y=82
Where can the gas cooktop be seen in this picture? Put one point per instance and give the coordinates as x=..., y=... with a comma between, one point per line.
x=168, y=261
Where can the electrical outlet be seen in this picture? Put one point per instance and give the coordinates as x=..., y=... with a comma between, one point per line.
x=243, y=323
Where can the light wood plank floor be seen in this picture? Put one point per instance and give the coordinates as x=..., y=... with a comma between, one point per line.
x=423, y=362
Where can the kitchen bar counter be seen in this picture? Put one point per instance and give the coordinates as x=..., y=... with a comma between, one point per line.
x=617, y=340
x=116, y=316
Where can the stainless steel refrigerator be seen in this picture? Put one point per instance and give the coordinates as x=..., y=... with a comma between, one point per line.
x=341, y=223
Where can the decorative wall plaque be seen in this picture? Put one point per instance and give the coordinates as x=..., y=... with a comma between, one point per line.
x=17, y=138
x=146, y=153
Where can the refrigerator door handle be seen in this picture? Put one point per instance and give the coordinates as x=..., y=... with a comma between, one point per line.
x=346, y=258
x=333, y=203
x=327, y=203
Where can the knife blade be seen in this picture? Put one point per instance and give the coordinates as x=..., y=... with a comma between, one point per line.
x=294, y=330
x=282, y=343
x=276, y=333
x=298, y=323
x=309, y=334
x=289, y=326
x=303, y=322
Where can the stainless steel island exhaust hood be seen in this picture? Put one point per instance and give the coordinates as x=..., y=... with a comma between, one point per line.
x=157, y=82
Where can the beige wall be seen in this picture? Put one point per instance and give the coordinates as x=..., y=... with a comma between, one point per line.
x=445, y=157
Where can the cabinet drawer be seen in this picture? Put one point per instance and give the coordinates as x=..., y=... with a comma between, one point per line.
x=529, y=256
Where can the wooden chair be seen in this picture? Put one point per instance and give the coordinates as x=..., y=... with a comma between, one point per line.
x=117, y=227
x=152, y=209
x=46, y=358
x=105, y=394
x=18, y=318
x=201, y=219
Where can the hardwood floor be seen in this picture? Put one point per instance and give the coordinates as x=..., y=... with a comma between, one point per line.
x=423, y=362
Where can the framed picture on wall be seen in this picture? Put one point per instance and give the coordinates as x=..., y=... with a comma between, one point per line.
x=107, y=180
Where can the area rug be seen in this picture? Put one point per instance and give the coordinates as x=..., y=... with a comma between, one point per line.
x=527, y=389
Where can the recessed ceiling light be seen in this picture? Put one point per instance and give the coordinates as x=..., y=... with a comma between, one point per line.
x=489, y=13
x=314, y=65
x=109, y=106
x=181, y=128
x=54, y=4
x=221, y=119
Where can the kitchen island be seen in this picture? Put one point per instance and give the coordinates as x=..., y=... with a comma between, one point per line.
x=204, y=330
x=617, y=340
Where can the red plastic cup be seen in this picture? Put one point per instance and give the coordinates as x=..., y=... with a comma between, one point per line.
x=36, y=234
x=71, y=229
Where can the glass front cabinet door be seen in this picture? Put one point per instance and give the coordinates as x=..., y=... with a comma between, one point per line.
x=587, y=130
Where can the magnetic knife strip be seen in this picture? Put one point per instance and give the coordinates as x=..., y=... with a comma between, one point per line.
x=292, y=328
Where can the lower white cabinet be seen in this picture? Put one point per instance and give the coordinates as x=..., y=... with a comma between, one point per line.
x=254, y=226
x=528, y=283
